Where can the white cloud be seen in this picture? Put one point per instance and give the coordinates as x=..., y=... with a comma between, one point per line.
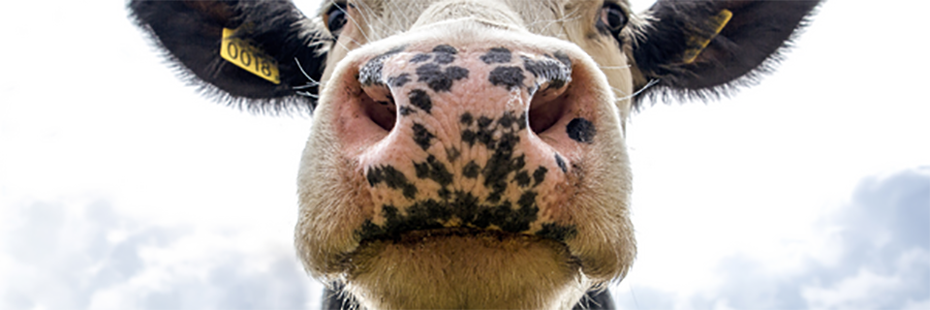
x=59, y=256
x=917, y=305
x=879, y=259
x=864, y=290
x=885, y=236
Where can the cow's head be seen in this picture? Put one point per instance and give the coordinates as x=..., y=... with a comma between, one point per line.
x=467, y=153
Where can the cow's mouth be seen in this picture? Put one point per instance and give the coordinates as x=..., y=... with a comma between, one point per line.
x=444, y=241
x=418, y=236
x=463, y=217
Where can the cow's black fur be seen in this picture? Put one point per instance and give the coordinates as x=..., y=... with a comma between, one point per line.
x=748, y=46
x=190, y=34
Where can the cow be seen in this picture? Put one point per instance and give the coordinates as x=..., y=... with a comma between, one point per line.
x=467, y=154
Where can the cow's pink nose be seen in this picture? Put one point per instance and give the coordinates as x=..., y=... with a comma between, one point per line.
x=466, y=137
x=419, y=78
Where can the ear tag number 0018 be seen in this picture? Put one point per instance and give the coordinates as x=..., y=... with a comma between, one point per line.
x=248, y=57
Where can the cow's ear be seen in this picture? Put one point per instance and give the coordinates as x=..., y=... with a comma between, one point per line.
x=706, y=48
x=272, y=58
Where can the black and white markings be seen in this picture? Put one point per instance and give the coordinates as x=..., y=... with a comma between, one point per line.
x=434, y=170
x=406, y=110
x=399, y=81
x=421, y=57
x=539, y=175
x=422, y=136
x=439, y=79
x=522, y=178
x=453, y=154
x=435, y=73
x=420, y=99
x=553, y=71
x=510, y=196
x=370, y=73
x=496, y=55
x=393, y=178
x=444, y=54
x=471, y=170
x=510, y=77
x=563, y=58
x=481, y=131
x=471, y=214
x=500, y=135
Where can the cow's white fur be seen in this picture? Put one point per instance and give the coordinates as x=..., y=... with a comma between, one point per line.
x=428, y=274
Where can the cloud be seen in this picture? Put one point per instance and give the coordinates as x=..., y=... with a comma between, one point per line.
x=71, y=256
x=890, y=215
x=885, y=247
x=875, y=254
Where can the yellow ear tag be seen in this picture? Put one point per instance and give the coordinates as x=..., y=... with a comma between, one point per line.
x=699, y=44
x=246, y=56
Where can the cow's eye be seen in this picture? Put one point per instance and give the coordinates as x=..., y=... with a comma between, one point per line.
x=336, y=19
x=611, y=18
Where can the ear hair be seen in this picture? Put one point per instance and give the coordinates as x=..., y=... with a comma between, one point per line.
x=750, y=45
x=189, y=35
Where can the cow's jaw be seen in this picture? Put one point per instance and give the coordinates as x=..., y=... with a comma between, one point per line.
x=466, y=270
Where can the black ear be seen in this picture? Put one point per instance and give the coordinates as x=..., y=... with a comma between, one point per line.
x=706, y=48
x=191, y=34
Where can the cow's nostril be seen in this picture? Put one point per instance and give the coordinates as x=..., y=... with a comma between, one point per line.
x=379, y=106
x=546, y=109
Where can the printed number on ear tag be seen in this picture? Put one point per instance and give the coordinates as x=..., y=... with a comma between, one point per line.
x=248, y=57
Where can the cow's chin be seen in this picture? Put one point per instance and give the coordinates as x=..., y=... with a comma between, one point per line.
x=460, y=269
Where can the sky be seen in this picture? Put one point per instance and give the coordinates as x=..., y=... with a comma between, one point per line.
x=120, y=187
